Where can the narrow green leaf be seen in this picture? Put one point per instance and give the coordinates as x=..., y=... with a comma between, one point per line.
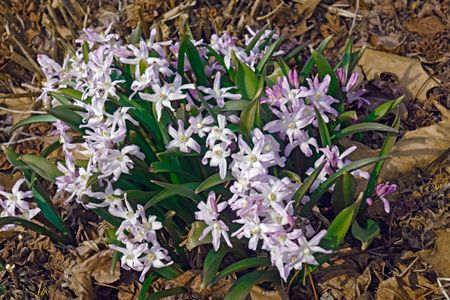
x=306, y=185
x=309, y=65
x=175, y=152
x=347, y=116
x=220, y=60
x=324, y=68
x=212, y=264
x=213, y=180
x=195, y=61
x=34, y=119
x=105, y=215
x=339, y=227
x=361, y=127
x=179, y=189
x=169, y=272
x=68, y=116
x=72, y=93
x=193, y=238
x=344, y=192
x=232, y=105
x=57, y=238
x=247, y=117
x=61, y=98
x=42, y=166
x=347, y=58
x=383, y=109
x=167, y=193
x=243, y=264
x=386, y=148
x=268, y=54
x=367, y=234
x=246, y=80
x=85, y=50
x=323, y=129
x=324, y=186
x=255, y=39
x=115, y=259
x=206, y=104
x=168, y=167
x=146, y=285
x=241, y=287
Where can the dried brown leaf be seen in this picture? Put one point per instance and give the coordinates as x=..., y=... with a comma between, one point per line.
x=409, y=72
x=440, y=257
x=428, y=26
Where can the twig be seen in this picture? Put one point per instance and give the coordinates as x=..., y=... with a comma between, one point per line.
x=442, y=287
x=409, y=267
x=20, y=141
x=271, y=13
x=354, y=19
x=26, y=112
x=341, y=12
x=313, y=287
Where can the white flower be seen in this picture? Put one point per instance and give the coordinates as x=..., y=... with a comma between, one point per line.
x=200, y=125
x=220, y=133
x=131, y=254
x=154, y=258
x=218, y=229
x=218, y=157
x=217, y=93
x=163, y=95
x=182, y=139
x=14, y=200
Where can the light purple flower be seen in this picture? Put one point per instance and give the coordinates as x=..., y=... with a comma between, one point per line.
x=217, y=93
x=182, y=139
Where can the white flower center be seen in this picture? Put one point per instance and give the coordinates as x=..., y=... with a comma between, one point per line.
x=151, y=257
x=292, y=125
x=183, y=138
x=272, y=196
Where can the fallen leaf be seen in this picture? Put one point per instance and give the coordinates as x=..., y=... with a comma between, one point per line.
x=98, y=267
x=394, y=289
x=409, y=72
x=415, y=150
x=440, y=257
x=428, y=26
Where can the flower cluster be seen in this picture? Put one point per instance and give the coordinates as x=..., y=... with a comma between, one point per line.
x=135, y=104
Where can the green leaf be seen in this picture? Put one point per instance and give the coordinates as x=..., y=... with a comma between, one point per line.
x=175, y=152
x=57, y=238
x=105, y=215
x=220, y=59
x=243, y=264
x=168, y=167
x=85, y=50
x=213, y=180
x=361, y=127
x=61, y=98
x=232, y=105
x=72, y=93
x=169, y=272
x=166, y=293
x=383, y=109
x=386, y=148
x=179, y=189
x=193, y=238
x=305, y=186
x=167, y=193
x=115, y=259
x=67, y=115
x=146, y=285
x=324, y=68
x=255, y=39
x=246, y=80
x=323, y=129
x=247, y=117
x=268, y=54
x=347, y=116
x=309, y=65
x=324, y=186
x=212, y=264
x=32, y=120
x=344, y=192
x=241, y=287
x=42, y=166
x=347, y=58
x=339, y=227
x=367, y=234
x=195, y=61
x=206, y=104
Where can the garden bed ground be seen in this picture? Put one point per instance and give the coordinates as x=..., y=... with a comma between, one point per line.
x=410, y=259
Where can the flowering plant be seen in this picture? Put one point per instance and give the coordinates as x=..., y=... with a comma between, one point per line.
x=182, y=145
